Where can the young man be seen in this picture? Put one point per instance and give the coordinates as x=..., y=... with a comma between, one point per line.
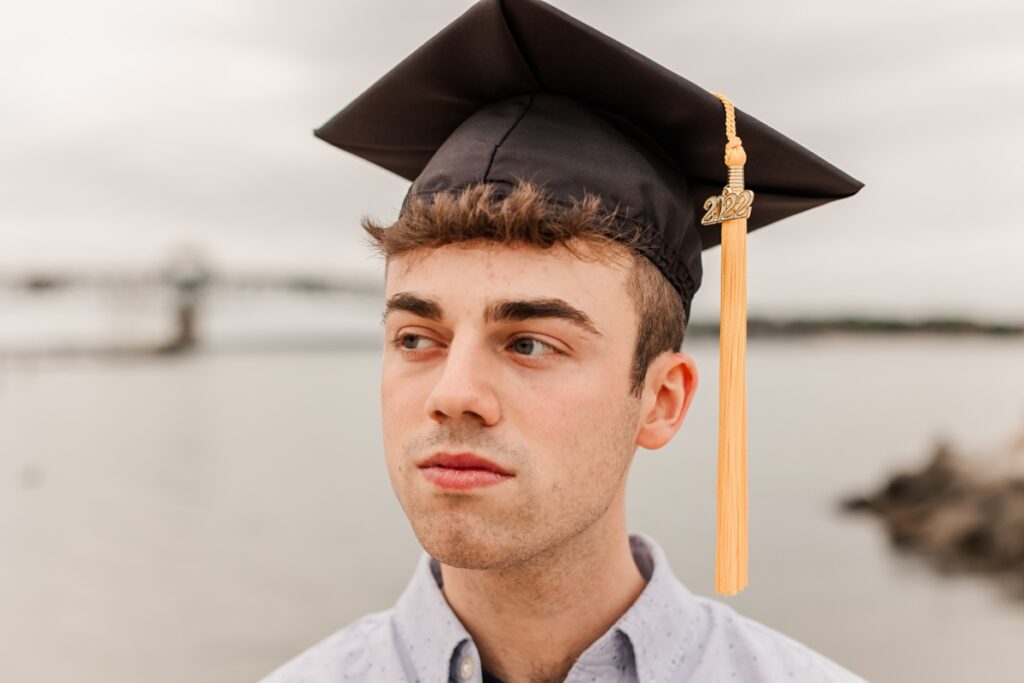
x=538, y=281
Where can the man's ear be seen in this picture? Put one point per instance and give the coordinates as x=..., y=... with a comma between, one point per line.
x=668, y=391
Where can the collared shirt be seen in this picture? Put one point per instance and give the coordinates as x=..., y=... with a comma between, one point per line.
x=668, y=635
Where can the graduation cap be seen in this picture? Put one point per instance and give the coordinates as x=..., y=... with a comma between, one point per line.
x=518, y=89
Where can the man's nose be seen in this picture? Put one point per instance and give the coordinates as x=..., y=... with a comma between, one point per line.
x=464, y=388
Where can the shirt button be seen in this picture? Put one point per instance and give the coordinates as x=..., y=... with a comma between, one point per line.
x=466, y=668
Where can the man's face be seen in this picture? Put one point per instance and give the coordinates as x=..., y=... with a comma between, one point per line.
x=520, y=356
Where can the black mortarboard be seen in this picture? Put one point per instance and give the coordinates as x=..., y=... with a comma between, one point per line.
x=518, y=89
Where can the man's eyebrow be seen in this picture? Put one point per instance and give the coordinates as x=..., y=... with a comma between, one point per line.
x=417, y=305
x=501, y=311
x=527, y=309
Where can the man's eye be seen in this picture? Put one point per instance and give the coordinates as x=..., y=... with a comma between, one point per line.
x=528, y=346
x=414, y=342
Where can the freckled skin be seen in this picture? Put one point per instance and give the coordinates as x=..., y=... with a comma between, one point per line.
x=565, y=423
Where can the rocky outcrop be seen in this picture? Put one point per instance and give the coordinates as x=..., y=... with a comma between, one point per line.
x=964, y=512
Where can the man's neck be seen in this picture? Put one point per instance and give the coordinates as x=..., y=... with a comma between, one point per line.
x=531, y=622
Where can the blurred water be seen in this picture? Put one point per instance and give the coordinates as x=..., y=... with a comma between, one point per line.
x=205, y=518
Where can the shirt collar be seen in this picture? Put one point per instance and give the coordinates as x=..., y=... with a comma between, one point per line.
x=663, y=622
x=427, y=624
x=659, y=626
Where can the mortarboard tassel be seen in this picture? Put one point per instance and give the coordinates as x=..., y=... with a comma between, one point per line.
x=731, y=209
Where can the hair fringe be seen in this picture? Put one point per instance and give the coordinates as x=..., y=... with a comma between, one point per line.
x=525, y=214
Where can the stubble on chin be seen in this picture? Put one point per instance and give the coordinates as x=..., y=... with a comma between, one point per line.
x=472, y=532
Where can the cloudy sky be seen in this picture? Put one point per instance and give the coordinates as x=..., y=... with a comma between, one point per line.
x=129, y=128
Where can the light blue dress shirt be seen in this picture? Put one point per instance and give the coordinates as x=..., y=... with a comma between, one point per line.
x=668, y=635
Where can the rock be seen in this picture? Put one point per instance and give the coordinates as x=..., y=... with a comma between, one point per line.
x=963, y=512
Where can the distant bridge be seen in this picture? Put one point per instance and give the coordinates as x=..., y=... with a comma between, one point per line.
x=191, y=281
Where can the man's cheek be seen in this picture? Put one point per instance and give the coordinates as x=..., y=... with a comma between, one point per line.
x=399, y=404
x=589, y=404
x=564, y=399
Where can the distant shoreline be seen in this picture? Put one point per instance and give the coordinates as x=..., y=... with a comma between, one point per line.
x=803, y=327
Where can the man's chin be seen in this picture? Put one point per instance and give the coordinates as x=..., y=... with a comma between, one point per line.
x=463, y=550
x=469, y=548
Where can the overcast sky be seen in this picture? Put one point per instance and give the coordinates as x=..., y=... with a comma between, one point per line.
x=131, y=127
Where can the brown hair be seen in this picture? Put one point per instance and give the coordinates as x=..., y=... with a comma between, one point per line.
x=524, y=214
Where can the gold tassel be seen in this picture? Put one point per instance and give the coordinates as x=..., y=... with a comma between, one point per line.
x=732, y=208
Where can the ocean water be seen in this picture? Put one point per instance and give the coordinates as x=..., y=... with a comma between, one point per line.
x=205, y=518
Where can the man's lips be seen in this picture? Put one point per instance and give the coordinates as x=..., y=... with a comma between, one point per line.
x=463, y=461
x=462, y=471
